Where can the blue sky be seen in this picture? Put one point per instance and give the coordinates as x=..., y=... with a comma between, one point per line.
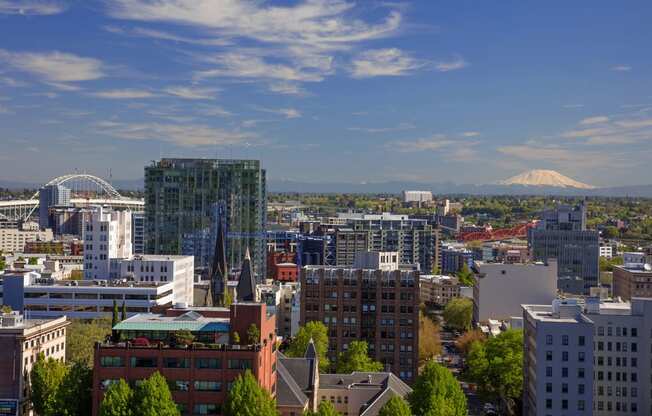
x=323, y=91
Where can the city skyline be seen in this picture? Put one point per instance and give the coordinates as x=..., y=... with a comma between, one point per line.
x=469, y=93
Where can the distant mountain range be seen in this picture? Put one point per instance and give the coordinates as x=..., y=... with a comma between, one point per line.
x=537, y=184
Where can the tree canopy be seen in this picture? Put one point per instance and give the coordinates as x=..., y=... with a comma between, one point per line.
x=46, y=378
x=81, y=337
x=153, y=398
x=75, y=393
x=497, y=365
x=316, y=331
x=247, y=398
x=464, y=342
x=117, y=400
x=396, y=406
x=458, y=313
x=465, y=276
x=429, y=338
x=356, y=358
x=325, y=408
x=436, y=392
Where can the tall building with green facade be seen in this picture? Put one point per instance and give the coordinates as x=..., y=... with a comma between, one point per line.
x=185, y=199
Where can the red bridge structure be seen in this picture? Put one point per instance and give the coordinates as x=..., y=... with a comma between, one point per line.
x=497, y=234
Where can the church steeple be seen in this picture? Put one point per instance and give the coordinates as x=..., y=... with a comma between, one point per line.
x=246, y=283
x=219, y=270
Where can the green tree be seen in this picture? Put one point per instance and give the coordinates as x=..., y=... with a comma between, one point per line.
x=33, y=261
x=114, y=317
x=46, y=378
x=396, y=406
x=465, y=276
x=429, y=338
x=3, y=263
x=123, y=312
x=437, y=393
x=153, y=398
x=117, y=400
x=5, y=309
x=247, y=398
x=81, y=337
x=183, y=337
x=253, y=334
x=325, y=408
x=356, y=358
x=75, y=392
x=496, y=365
x=316, y=331
x=458, y=313
x=610, y=232
x=235, y=338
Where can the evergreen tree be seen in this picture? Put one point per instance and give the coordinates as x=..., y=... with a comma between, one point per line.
x=153, y=398
x=396, y=406
x=114, y=318
x=117, y=400
x=75, y=392
x=356, y=358
x=46, y=378
x=436, y=392
x=465, y=276
x=247, y=398
x=325, y=408
x=123, y=315
x=316, y=331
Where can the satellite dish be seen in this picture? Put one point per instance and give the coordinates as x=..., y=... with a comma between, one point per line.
x=647, y=267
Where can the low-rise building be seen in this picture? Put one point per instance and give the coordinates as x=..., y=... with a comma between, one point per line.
x=13, y=240
x=200, y=374
x=501, y=288
x=632, y=280
x=21, y=341
x=438, y=290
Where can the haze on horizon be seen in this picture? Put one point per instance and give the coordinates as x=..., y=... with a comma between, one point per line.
x=328, y=91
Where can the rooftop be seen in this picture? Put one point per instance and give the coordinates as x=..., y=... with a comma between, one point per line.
x=190, y=321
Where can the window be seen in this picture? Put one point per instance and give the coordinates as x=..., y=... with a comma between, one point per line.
x=548, y=339
x=147, y=362
x=204, y=363
x=564, y=340
x=564, y=355
x=548, y=355
x=179, y=385
x=580, y=373
x=242, y=364
x=580, y=389
x=580, y=405
x=174, y=362
x=564, y=404
x=564, y=372
x=548, y=403
x=107, y=361
x=208, y=386
x=580, y=356
x=548, y=387
x=206, y=409
x=581, y=340
x=548, y=371
x=564, y=388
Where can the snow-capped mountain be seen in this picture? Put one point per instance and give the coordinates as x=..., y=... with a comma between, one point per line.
x=542, y=177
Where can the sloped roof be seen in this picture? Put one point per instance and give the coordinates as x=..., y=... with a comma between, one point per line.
x=288, y=392
x=246, y=284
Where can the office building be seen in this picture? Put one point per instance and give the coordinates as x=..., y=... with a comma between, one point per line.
x=13, y=240
x=588, y=358
x=454, y=257
x=302, y=388
x=606, y=251
x=561, y=234
x=43, y=297
x=632, y=280
x=284, y=300
x=51, y=196
x=199, y=375
x=185, y=199
x=501, y=288
x=438, y=290
x=380, y=306
x=21, y=341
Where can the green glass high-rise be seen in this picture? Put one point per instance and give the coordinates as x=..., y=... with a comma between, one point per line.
x=185, y=199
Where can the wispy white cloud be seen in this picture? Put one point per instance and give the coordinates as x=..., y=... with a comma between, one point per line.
x=285, y=112
x=436, y=142
x=213, y=111
x=452, y=65
x=594, y=120
x=621, y=68
x=59, y=69
x=163, y=35
x=184, y=135
x=31, y=7
x=288, y=88
x=570, y=106
x=470, y=134
x=123, y=94
x=384, y=62
x=399, y=127
x=192, y=93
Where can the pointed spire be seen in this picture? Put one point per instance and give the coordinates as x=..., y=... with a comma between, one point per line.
x=311, y=350
x=313, y=359
x=246, y=282
x=219, y=270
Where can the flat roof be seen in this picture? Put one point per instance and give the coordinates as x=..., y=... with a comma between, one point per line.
x=190, y=321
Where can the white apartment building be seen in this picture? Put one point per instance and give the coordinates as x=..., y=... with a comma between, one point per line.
x=107, y=235
x=417, y=196
x=501, y=288
x=12, y=240
x=283, y=299
x=609, y=342
x=606, y=251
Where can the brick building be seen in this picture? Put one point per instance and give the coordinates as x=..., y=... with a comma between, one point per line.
x=378, y=306
x=199, y=374
x=632, y=280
